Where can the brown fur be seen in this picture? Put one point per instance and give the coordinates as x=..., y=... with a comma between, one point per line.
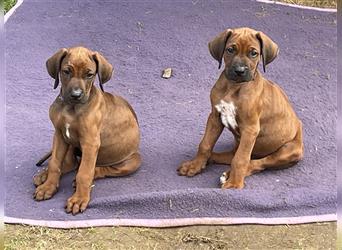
x=102, y=126
x=269, y=134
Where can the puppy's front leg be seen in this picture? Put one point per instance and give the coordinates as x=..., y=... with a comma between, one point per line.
x=242, y=158
x=84, y=178
x=50, y=186
x=212, y=133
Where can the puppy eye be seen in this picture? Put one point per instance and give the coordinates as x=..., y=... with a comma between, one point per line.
x=90, y=75
x=66, y=72
x=254, y=53
x=230, y=50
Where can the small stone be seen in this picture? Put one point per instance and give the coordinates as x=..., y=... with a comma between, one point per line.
x=167, y=73
x=140, y=25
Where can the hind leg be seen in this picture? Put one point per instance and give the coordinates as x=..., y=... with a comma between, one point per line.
x=69, y=164
x=286, y=156
x=289, y=154
x=125, y=168
x=224, y=158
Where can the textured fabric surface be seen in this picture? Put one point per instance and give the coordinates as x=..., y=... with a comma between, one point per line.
x=140, y=39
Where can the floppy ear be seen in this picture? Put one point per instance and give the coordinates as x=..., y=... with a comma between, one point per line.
x=104, y=69
x=217, y=45
x=269, y=49
x=53, y=65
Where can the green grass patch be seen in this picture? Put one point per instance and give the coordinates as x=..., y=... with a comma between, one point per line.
x=8, y=4
x=313, y=3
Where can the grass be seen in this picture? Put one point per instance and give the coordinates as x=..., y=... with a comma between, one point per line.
x=8, y=4
x=314, y=3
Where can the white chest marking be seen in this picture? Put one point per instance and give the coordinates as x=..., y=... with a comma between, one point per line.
x=67, y=132
x=228, y=113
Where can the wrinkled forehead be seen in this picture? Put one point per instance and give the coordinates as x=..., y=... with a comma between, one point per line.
x=79, y=57
x=244, y=38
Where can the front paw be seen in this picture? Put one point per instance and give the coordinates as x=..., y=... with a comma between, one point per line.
x=77, y=203
x=190, y=168
x=40, y=177
x=45, y=191
x=232, y=184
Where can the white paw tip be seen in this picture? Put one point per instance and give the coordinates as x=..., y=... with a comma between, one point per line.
x=223, y=178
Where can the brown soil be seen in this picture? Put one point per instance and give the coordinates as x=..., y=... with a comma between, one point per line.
x=306, y=236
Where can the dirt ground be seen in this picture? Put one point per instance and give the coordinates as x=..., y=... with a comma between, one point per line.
x=306, y=236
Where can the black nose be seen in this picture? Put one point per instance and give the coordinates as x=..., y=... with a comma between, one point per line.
x=240, y=70
x=76, y=93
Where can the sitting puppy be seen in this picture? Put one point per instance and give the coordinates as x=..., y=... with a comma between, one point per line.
x=103, y=128
x=267, y=132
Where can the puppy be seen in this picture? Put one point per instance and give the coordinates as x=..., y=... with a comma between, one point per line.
x=267, y=132
x=101, y=128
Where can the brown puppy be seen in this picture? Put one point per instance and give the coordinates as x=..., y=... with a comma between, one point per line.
x=267, y=132
x=103, y=127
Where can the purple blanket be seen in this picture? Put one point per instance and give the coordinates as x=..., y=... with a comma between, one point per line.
x=141, y=39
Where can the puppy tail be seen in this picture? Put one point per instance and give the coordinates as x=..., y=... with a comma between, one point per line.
x=43, y=159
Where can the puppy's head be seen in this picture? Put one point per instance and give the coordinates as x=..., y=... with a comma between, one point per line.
x=76, y=68
x=241, y=50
